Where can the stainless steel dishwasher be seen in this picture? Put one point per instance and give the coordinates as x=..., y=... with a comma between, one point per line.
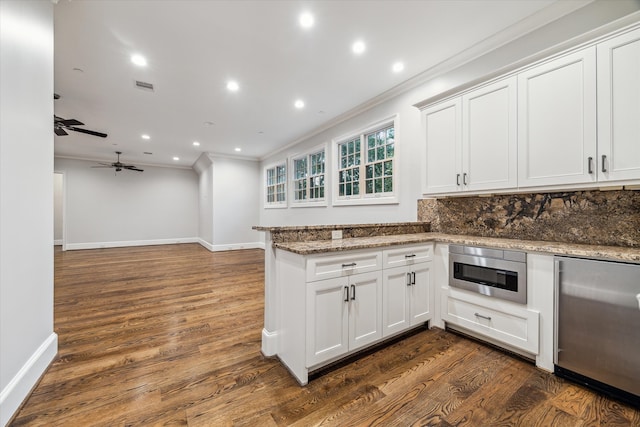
x=597, y=330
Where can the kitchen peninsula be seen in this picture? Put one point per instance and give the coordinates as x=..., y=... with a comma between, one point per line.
x=402, y=283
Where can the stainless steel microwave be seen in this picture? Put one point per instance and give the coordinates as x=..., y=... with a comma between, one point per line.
x=492, y=272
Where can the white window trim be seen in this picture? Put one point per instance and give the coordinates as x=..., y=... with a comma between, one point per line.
x=327, y=170
x=276, y=205
x=363, y=198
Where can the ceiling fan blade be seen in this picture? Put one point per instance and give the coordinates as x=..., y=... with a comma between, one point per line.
x=71, y=122
x=106, y=164
x=60, y=132
x=133, y=168
x=90, y=132
x=102, y=166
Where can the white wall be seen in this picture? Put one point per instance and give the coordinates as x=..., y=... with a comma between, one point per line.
x=229, y=201
x=107, y=209
x=58, y=187
x=27, y=341
x=552, y=38
x=235, y=203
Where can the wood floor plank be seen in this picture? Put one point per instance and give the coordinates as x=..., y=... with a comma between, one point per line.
x=171, y=336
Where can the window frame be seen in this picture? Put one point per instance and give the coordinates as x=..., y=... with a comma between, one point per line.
x=363, y=198
x=274, y=166
x=308, y=202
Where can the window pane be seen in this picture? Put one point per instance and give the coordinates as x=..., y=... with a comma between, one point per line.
x=391, y=134
x=388, y=185
x=381, y=137
x=356, y=160
x=356, y=188
x=341, y=189
x=371, y=156
x=348, y=189
x=369, y=171
x=377, y=170
x=380, y=153
x=388, y=168
x=350, y=147
x=378, y=185
x=369, y=186
x=390, y=151
x=371, y=141
x=356, y=174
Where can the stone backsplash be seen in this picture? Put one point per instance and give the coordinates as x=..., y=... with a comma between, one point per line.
x=609, y=218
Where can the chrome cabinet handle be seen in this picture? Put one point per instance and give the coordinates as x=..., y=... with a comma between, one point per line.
x=590, y=165
x=346, y=294
x=408, y=279
x=604, y=159
x=482, y=317
x=410, y=256
x=464, y=178
x=353, y=292
x=413, y=277
x=353, y=264
x=458, y=179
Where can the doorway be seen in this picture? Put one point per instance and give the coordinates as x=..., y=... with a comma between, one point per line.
x=58, y=210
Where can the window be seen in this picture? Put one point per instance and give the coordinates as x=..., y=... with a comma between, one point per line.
x=308, y=180
x=366, y=166
x=275, y=186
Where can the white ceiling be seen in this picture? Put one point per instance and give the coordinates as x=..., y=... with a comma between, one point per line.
x=194, y=47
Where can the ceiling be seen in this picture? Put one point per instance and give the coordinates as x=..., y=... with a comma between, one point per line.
x=193, y=48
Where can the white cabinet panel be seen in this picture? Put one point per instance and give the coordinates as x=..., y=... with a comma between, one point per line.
x=365, y=307
x=557, y=121
x=489, y=137
x=407, y=255
x=342, y=265
x=407, y=297
x=443, y=142
x=619, y=108
x=327, y=320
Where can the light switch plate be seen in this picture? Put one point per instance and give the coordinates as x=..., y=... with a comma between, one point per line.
x=336, y=234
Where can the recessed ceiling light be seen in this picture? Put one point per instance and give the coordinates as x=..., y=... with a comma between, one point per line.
x=145, y=136
x=397, y=67
x=238, y=149
x=306, y=20
x=196, y=143
x=176, y=158
x=139, y=60
x=233, y=86
x=358, y=47
x=299, y=103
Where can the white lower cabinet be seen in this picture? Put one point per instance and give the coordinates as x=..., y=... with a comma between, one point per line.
x=343, y=314
x=498, y=320
x=406, y=297
x=332, y=305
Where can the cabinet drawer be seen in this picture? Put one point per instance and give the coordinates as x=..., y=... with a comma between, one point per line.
x=407, y=255
x=345, y=264
x=501, y=321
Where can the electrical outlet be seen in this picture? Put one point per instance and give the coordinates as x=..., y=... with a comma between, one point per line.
x=336, y=234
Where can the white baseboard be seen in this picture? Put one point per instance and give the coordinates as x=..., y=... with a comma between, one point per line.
x=98, y=245
x=269, y=343
x=231, y=246
x=20, y=386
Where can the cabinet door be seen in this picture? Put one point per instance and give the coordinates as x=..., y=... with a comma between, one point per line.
x=443, y=133
x=420, y=293
x=365, y=309
x=557, y=121
x=327, y=319
x=489, y=137
x=396, y=312
x=619, y=108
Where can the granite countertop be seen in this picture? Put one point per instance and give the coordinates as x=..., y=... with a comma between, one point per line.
x=555, y=248
x=336, y=226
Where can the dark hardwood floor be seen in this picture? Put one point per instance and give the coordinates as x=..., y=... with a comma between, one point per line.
x=170, y=335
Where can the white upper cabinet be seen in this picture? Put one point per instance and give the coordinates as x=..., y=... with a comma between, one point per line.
x=619, y=108
x=444, y=138
x=557, y=121
x=489, y=137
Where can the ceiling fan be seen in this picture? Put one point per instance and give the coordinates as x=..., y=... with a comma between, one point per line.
x=118, y=166
x=61, y=126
